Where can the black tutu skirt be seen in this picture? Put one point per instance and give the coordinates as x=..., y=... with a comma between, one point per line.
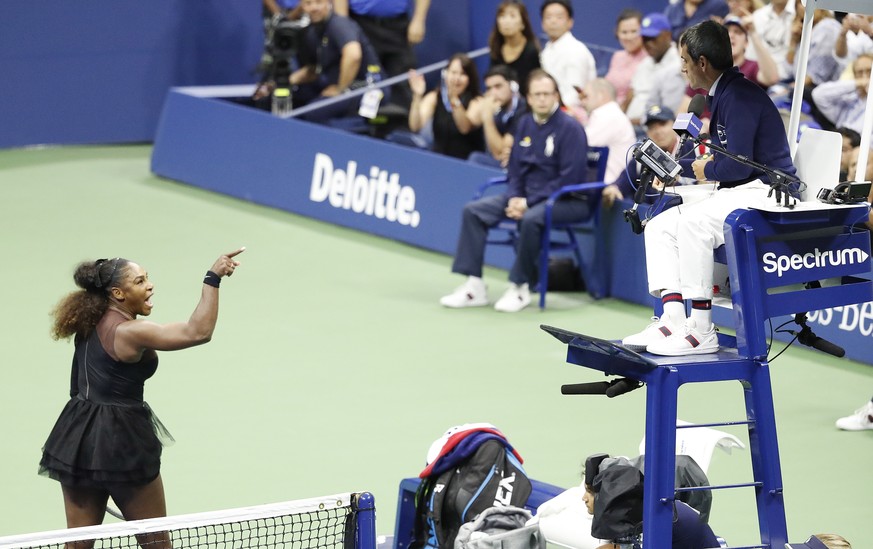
x=103, y=445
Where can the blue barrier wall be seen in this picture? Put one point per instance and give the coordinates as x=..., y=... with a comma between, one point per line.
x=98, y=72
x=400, y=193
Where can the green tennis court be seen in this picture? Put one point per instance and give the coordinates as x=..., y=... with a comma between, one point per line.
x=333, y=367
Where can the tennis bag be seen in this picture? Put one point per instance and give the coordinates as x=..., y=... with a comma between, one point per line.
x=491, y=476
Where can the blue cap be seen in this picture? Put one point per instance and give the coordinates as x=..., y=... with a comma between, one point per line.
x=654, y=24
x=658, y=113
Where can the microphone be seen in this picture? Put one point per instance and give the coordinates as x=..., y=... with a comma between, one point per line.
x=611, y=389
x=688, y=125
x=808, y=338
x=596, y=388
x=621, y=386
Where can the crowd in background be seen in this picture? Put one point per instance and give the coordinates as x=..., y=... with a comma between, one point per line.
x=460, y=115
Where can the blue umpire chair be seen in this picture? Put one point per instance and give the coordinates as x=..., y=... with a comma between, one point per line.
x=593, y=271
x=775, y=257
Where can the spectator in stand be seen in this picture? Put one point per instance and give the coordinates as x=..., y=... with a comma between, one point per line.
x=608, y=125
x=852, y=166
x=842, y=103
x=446, y=108
x=851, y=140
x=500, y=109
x=550, y=152
x=658, y=80
x=624, y=62
x=854, y=38
x=685, y=13
x=568, y=60
x=391, y=32
x=773, y=22
x=512, y=41
x=822, y=65
x=659, y=128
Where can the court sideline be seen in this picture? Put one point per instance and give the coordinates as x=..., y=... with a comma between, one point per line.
x=333, y=368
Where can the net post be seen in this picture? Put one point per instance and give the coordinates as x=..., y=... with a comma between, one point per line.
x=365, y=537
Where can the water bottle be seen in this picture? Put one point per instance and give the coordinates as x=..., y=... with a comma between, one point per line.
x=281, y=102
x=372, y=75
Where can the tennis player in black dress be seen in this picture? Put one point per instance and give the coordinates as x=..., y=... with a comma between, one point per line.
x=106, y=441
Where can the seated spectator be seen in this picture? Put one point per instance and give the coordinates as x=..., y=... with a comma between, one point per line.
x=685, y=13
x=854, y=38
x=445, y=108
x=851, y=140
x=659, y=128
x=334, y=57
x=658, y=80
x=822, y=65
x=500, y=109
x=392, y=33
x=774, y=23
x=568, y=60
x=608, y=125
x=512, y=41
x=842, y=103
x=852, y=166
x=550, y=151
x=624, y=62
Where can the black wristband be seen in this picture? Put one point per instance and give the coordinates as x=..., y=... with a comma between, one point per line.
x=212, y=279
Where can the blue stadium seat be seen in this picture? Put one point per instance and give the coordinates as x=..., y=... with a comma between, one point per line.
x=593, y=271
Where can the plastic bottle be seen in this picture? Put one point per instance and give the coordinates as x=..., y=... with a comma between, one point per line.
x=281, y=102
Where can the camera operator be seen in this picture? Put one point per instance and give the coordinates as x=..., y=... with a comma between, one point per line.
x=334, y=56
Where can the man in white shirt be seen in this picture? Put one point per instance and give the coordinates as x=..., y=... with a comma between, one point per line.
x=568, y=60
x=608, y=125
x=773, y=24
x=855, y=38
x=658, y=80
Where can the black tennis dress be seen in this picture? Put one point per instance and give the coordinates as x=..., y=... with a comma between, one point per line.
x=106, y=434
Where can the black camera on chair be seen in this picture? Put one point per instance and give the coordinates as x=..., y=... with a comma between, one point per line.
x=846, y=192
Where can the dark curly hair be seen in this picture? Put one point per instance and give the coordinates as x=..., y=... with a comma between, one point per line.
x=78, y=312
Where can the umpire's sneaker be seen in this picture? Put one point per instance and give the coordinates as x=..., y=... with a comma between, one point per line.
x=689, y=341
x=514, y=299
x=659, y=330
x=473, y=293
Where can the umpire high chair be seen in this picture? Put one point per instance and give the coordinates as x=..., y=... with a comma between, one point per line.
x=775, y=259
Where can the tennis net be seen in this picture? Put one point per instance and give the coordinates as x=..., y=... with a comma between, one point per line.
x=342, y=521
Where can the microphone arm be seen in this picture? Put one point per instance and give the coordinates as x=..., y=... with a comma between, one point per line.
x=779, y=181
x=611, y=389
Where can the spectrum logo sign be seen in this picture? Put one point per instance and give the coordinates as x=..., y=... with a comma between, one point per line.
x=379, y=195
x=816, y=259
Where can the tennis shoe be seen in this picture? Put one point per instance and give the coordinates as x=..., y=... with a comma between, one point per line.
x=473, y=293
x=514, y=299
x=861, y=420
x=688, y=341
x=658, y=330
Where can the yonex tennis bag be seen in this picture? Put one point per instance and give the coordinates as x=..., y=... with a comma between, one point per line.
x=490, y=476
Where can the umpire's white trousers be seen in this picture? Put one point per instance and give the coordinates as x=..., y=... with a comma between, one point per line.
x=680, y=241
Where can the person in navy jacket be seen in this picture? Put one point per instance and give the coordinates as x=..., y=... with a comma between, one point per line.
x=549, y=151
x=680, y=241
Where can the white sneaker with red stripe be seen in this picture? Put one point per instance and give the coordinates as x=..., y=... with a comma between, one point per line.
x=688, y=341
x=658, y=330
x=473, y=293
x=861, y=420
